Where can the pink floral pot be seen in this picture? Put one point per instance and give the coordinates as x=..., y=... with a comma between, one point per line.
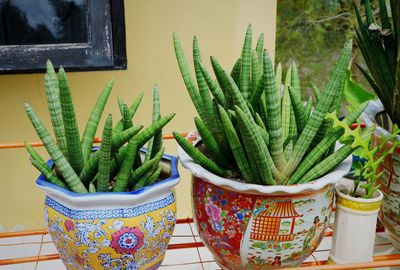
x=390, y=168
x=248, y=226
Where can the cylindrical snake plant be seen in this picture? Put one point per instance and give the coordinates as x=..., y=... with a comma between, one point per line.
x=258, y=129
x=119, y=164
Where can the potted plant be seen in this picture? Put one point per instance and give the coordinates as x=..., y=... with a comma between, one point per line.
x=358, y=202
x=112, y=206
x=262, y=160
x=379, y=44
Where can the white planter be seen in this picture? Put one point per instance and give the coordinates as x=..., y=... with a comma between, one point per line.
x=354, y=229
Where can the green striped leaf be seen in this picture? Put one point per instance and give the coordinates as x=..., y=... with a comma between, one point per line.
x=103, y=177
x=122, y=180
x=318, y=115
x=119, y=139
x=213, y=86
x=132, y=111
x=198, y=156
x=74, y=154
x=260, y=49
x=94, y=119
x=145, y=167
x=298, y=109
x=53, y=102
x=257, y=89
x=286, y=106
x=155, y=143
x=273, y=112
x=48, y=173
x=145, y=181
x=323, y=146
x=235, y=72
x=245, y=71
x=222, y=81
x=55, y=153
x=41, y=166
x=237, y=97
x=203, y=88
x=255, y=147
x=187, y=76
x=327, y=164
x=236, y=146
x=210, y=143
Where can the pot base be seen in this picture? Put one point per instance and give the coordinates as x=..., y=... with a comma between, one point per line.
x=393, y=239
x=332, y=260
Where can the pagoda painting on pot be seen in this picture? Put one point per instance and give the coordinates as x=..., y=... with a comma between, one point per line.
x=280, y=230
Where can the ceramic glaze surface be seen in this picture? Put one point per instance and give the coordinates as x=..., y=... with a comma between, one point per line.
x=355, y=225
x=390, y=186
x=246, y=231
x=112, y=230
x=117, y=239
x=249, y=226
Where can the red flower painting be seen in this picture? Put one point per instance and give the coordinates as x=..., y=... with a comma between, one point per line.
x=127, y=240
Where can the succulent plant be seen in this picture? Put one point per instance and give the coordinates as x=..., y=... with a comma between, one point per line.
x=373, y=154
x=118, y=165
x=254, y=129
x=379, y=43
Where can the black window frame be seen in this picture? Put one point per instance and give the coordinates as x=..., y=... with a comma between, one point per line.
x=105, y=49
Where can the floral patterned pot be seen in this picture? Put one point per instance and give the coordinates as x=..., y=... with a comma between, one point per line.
x=390, y=180
x=128, y=230
x=248, y=226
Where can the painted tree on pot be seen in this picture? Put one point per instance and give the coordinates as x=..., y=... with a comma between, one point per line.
x=118, y=159
x=253, y=129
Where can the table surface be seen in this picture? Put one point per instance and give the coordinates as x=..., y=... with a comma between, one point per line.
x=185, y=252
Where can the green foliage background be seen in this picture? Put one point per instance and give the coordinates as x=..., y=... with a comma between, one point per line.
x=312, y=33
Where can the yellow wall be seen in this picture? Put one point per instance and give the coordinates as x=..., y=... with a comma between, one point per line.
x=219, y=26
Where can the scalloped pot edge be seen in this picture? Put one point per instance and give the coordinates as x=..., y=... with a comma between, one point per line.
x=95, y=201
x=198, y=171
x=368, y=116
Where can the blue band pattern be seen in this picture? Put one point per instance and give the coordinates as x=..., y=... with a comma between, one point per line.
x=111, y=213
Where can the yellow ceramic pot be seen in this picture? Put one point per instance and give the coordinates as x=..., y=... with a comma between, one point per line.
x=112, y=230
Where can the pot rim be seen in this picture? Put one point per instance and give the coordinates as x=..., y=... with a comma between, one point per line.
x=340, y=193
x=153, y=190
x=198, y=171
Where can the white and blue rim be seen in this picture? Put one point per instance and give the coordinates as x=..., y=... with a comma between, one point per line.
x=368, y=116
x=111, y=213
x=42, y=182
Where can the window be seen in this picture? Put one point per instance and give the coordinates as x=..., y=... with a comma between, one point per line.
x=78, y=34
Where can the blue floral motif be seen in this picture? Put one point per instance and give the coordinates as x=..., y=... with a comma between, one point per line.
x=239, y=216
x=84, y=229
x=91, y=235
x=128, y=240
